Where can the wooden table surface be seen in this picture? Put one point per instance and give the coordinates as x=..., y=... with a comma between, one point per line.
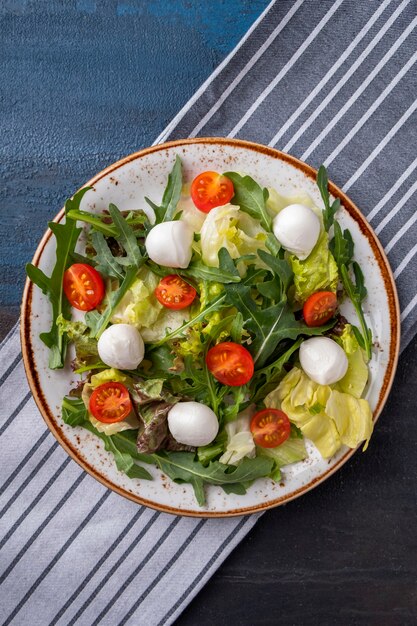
x=89, y=81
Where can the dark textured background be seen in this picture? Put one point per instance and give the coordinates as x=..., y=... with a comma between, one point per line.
x=86, y=82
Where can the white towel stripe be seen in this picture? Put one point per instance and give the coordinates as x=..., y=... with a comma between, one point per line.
x=405, y=261
x=246, y=69
x=351, y=101
x=285, y=69
x=382, y=144
x=410, y=169
x=401, y=232
x=346, y=54
x=379, y=227
x=410, y=307
x=372, y=110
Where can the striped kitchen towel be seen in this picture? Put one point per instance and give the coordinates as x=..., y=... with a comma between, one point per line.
x=329, y=82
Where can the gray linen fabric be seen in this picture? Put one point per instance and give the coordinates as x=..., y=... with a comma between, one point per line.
x=330, y=82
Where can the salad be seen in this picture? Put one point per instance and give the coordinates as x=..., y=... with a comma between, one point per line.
x=206, y=330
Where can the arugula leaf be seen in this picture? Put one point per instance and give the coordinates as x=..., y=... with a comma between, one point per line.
x=66, y=236
x=205, y=454
x=341, y=246
x=74, y=412
x=357, y=292
x=251, y=198
x=267, y=378
x=330, y=210
x=165, y=212
x=237, y=396
x=99, y=221
x=125, y=459
x=225, y=273
x=126, y=238
x=273, y=244
x=267, y=326
x=280, y=267
x=237, y=488
x=106, y=263
x=215, y=304
x=183, y=467
x=122, y=445
x=236, y=329
x=98, y=322
x=96, y=221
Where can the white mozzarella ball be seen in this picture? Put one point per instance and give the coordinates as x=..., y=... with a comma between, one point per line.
x=297, y=228
x=121, y=346
x=192, y=423
x=170, y=244
x=323, y=360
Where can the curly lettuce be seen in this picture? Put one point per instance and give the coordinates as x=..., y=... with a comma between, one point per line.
x=86, y=352
x=317, y=272
x=276, y=202
x=139, y=306
x=228, y=227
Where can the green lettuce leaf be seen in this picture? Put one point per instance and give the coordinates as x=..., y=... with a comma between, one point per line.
x=317, y=272
x=356, y=377
x=292, y=450
x=226, y=227
x=85, y=346
x=325, y=415
x=139, y=306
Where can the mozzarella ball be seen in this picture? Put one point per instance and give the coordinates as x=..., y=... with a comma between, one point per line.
x=297, y=228
x=323, y=360
x=121, y=346
x=170, y=244
x=192, y=423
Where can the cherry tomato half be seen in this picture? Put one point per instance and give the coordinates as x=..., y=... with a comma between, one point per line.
x=174, y=293
x=83, y=286
x=230, y=363
x=270, y=428
x=110, y=403
x=210, y=189
x=319, y=308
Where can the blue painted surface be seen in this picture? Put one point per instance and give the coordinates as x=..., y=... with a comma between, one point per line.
x=85, y=82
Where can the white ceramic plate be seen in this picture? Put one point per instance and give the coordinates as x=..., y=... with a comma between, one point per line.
x=125, y=184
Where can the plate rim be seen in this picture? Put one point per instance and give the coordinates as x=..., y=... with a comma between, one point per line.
x=28, y=352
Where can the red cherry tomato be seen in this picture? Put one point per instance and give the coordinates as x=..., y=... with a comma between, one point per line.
x=270, y=428
x=174, y=293
x=210, y=189
x=230, y=363
x=319, y=308
x=83, y=286
x=110, y=403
